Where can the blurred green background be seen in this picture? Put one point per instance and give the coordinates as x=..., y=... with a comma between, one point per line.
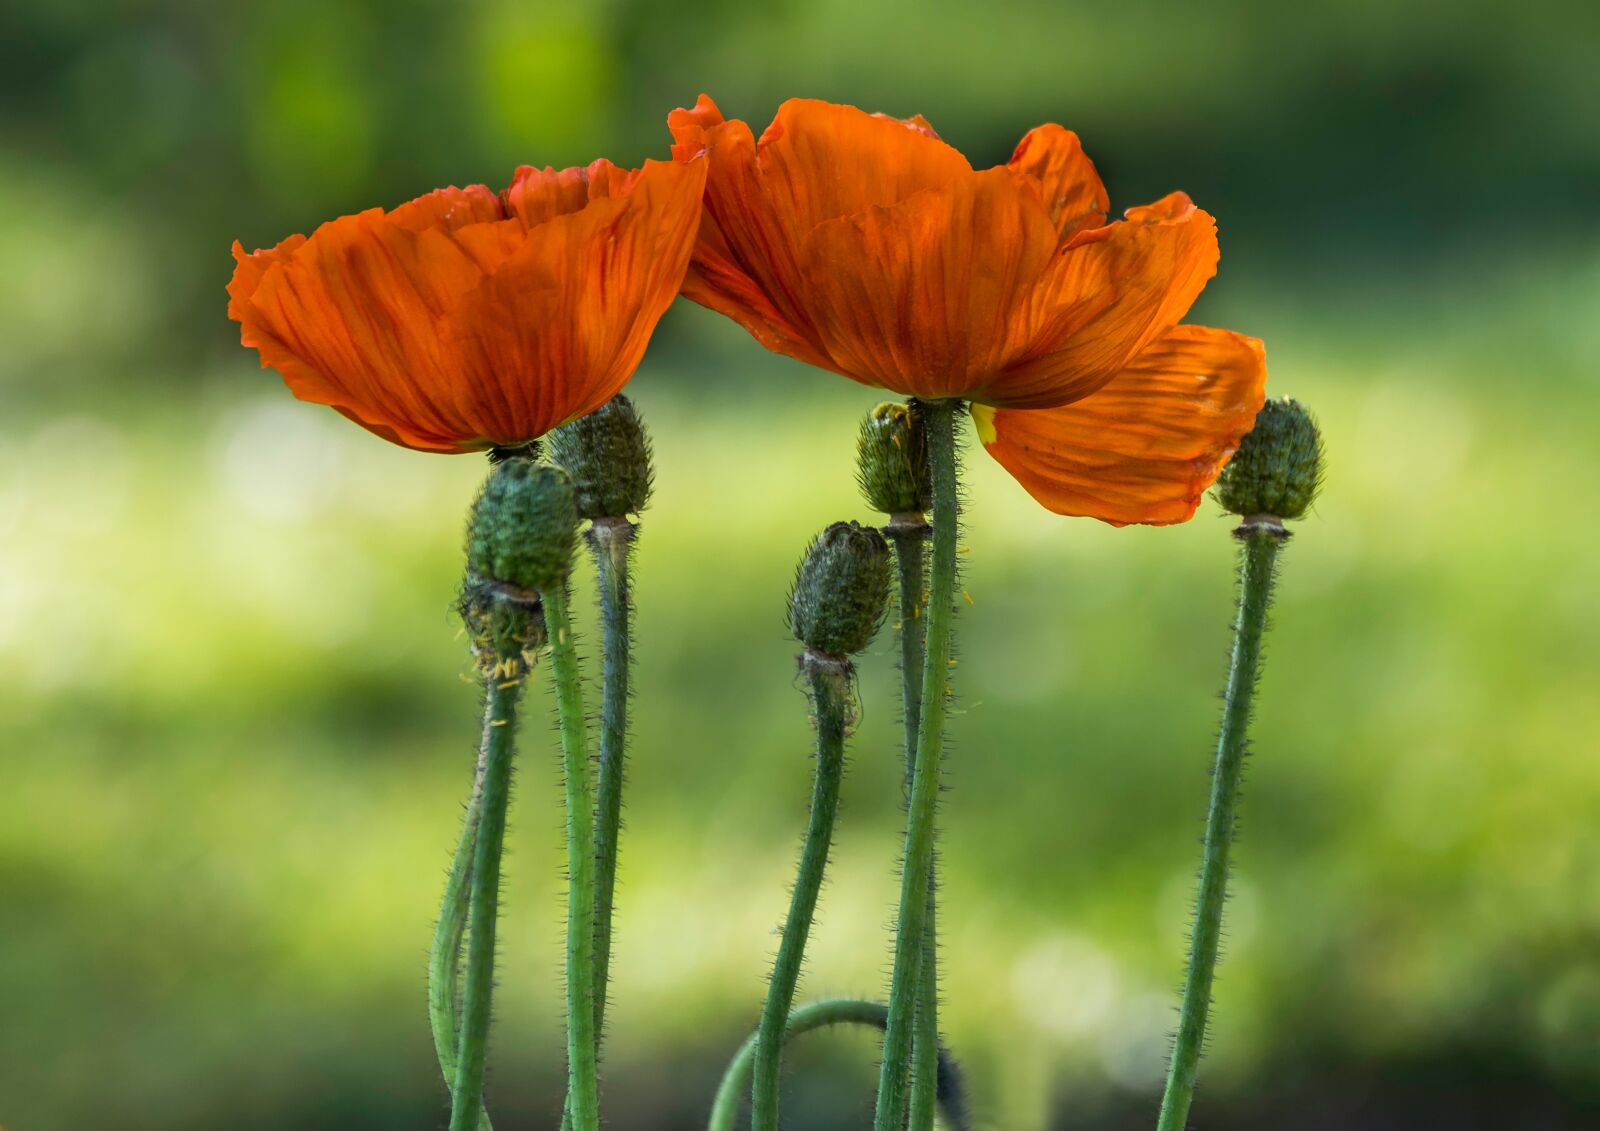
x=233, y=733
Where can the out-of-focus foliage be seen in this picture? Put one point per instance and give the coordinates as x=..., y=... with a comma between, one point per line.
x=233, y=740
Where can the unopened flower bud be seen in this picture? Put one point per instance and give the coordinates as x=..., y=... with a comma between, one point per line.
x=523, y=528
x=841, y=590
x=892, y=459
x=1278, y=467
x=608, y=456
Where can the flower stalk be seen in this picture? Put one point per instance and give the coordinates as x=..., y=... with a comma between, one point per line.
x=819, y=1015
x=909, y=533
x=611, y=541
x=1274, y=476
x=467, y=1093
x=840, y=595
x=910, y=943
x=607, y=456
x=444, y=963
x=830, y=680
x=582, y=1080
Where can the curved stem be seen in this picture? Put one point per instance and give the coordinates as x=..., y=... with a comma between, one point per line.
x=818, y=1015
x=444, y=962
x=1261, y=542
x=467, y=1093
x=830, y=694
x=908, y=532
x=582, y=1084
x=940, y=420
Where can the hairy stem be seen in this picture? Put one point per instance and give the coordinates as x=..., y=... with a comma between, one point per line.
x=582, y=1083
x=611, y=541
x=1260, y=549
x=444, y=963
x=940, y=421
x=818, y=1015
x=908, y=532
x=830, y=696
x=466, y=1105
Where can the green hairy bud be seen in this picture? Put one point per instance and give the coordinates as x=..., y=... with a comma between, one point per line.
x=607, y=453
x=1278, y=467
x=892, y=459
x=524, y=527
x=841, y=590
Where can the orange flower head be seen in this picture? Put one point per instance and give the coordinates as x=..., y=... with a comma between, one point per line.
x=469, y=319
x=865, y=245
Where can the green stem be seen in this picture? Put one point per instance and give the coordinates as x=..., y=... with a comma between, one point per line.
x=445, y=961
x=818, y=1015
x=830, y=694
x=1261, y=541
x=611, y=541
x=467, y=1093
x=940, y=421
x=908, y=532
x=582, y=1083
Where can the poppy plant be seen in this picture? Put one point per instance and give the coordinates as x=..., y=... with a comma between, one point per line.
x=468, y=319
x=866, y=245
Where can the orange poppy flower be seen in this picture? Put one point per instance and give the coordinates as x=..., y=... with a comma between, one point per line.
x=468, y=319
x=866, y=245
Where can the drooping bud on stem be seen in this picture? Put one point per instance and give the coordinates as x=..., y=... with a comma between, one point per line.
x=1275, y=474
x=841, y=590
x=607, y=453
x=892, y=460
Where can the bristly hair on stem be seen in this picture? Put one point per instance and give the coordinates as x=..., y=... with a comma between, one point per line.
x=940, y=420
x=1275, y=475
x=821, y=1014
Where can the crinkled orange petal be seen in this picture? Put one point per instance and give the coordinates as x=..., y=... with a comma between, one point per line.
x=446, y=326
x=1110, y=292
x=917, y=297
x=575, y=307
x=449, y=208
x=355, y=319
x=1072, y=190
x=815, y=162
x=1146, y=446
x=537, y=195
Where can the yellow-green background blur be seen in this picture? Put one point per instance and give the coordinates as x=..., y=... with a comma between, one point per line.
x=234, y=736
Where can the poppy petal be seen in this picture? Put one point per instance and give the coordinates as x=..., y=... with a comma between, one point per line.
x=917, y=297
x=446, y=326
x=449, y=208
x=1110, y=292
x=1072, y=190
x=574, y=308
x=815, y=162
x=1145, y=447
x=353, y=320
x=537, y=195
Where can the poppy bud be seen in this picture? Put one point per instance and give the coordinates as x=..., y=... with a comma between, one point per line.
x=1278, y=467
x=523, y=527
x=892, y=459
x=841, y=590
x=608, y=456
